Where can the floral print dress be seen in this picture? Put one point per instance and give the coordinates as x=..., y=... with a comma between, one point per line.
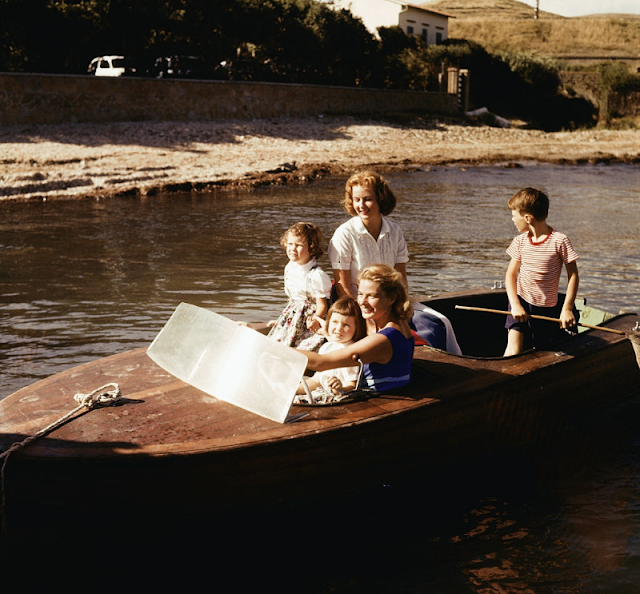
x=303, y=284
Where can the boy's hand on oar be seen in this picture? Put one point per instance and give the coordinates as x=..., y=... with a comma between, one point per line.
x=567, y=319
x=519, y=313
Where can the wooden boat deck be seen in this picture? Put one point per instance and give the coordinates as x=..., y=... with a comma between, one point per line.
x=163, y=416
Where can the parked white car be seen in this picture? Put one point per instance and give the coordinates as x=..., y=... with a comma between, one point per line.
x=110, y=66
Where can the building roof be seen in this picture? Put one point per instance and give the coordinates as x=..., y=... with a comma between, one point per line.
x=424, y=7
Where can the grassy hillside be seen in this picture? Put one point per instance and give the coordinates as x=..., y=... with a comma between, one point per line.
x=487, y=9
x=505, y=9
x=509, y=25
x=566, y=37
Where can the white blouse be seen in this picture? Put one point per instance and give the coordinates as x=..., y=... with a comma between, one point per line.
x=353, y=248
x=302, y=281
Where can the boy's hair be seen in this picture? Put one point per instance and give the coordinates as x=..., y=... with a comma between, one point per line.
x=370, y=180
x=348, y=306
x=392, y=285
x=310, y=233
x=530, y=201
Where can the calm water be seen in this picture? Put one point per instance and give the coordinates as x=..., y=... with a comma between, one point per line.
x=81, y=280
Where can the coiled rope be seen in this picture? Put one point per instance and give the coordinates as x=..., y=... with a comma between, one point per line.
x=99, y=398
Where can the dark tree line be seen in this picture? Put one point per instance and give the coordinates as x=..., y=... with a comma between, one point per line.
x=292, y=40
x=298, y=41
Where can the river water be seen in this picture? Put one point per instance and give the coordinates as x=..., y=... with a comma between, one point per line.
x=81, y=280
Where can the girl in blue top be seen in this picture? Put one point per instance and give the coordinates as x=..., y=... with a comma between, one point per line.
x=387, y=350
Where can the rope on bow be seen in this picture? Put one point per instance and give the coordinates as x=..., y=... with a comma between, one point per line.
x=100, y=397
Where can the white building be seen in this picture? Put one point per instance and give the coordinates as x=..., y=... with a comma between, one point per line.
x=413, y=19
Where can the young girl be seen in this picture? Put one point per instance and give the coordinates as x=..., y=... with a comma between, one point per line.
x=345, y=325
x=307, y=286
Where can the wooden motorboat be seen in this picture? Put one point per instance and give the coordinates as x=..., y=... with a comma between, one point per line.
x=169, y=444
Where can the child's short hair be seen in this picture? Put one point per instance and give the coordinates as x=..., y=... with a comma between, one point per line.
x=530, y=201
x=310, y=233
x=392, y=285
x=348, y=306
x=370, y=180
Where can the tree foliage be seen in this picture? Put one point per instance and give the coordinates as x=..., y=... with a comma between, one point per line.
x=298, y=41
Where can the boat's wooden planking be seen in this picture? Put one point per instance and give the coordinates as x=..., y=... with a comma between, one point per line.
x=171, y=444
x=163, y=416
x=160, y=415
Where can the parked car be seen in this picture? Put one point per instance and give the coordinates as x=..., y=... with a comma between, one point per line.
x=111, y=66
x=180, y=67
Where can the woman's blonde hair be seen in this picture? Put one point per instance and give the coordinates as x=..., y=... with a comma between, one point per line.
x=392, y=284
x=371, y=181
x=310, y=233
x=348, y=306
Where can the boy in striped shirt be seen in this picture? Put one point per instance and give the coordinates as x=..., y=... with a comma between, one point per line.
x=537, y=257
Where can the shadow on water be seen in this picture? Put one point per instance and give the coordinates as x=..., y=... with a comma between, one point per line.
x=560, y=519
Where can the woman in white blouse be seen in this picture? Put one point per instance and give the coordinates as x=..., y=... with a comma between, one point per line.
x=368, y=237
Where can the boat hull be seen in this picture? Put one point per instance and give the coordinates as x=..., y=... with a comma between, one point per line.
x=170, y=445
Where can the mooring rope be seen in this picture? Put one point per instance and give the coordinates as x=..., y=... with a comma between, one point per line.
x=100, y=397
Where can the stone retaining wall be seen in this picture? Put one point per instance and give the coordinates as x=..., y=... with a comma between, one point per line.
x=56, y=99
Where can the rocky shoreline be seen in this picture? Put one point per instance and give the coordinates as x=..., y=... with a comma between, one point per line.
x=149, y=158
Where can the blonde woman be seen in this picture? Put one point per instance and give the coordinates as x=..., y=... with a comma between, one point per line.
x=387, y=349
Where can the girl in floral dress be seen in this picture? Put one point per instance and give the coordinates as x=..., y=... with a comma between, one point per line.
x=308, y=288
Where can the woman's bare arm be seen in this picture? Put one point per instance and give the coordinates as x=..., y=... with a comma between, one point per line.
x=401, y=267
x=376, y=348
x=343, y=282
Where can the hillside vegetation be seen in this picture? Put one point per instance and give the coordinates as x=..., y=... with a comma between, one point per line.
x=306, y=42
x=491, y=9
x=566, y=37
x=507, y=25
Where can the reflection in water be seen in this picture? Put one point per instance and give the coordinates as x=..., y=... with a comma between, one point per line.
x=81, y=280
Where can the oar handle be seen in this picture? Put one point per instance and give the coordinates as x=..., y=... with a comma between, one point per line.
x=506, y=313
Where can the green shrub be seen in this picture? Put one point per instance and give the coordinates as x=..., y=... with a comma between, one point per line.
x=616, y=76
x=538, y=71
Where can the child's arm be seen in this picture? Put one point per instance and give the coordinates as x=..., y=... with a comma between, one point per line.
x=315, y=323
x=321, y=307
x=336, y=385
x=312, y=384
x=511, y=283
x=567, y=319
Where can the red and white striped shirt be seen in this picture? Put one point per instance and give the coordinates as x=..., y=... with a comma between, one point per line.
x=541, y=266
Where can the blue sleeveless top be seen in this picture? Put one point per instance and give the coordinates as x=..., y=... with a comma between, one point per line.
x=395, y=373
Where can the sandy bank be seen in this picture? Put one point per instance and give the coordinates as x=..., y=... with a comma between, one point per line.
x=80, y=160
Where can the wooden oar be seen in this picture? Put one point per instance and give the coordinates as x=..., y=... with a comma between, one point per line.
x=506, y=313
